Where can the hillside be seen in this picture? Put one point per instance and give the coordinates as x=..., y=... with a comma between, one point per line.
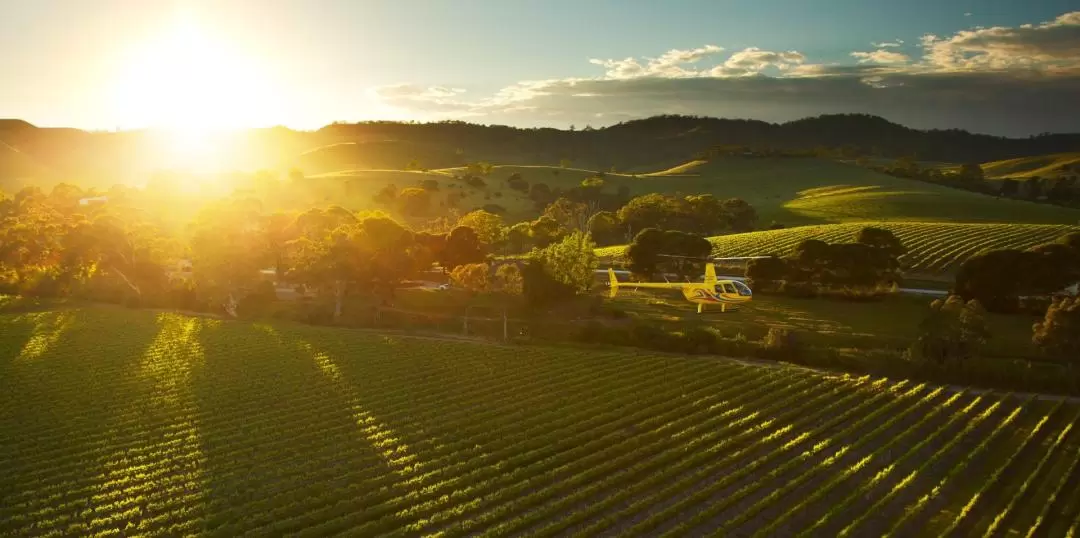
x=380, y=155
x=805, y=190
x=1043, y=166
x=189, y=426
x=641, y=146
x=17, y=168
x=933, y=248
x=796, y=191
x=792, y=191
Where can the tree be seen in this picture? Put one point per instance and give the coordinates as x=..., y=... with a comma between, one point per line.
x=998, y=278
x=644, y=252
x=954, y=330
x=278, y=230
x=569, y=214
x=488, y=226
x=508, y=280
x=541, y=194
x=1056, y=267
x=606, y=229
x=564, y=162
x=545, y=231
x=473, y=277
x=518, y=237
x=1009, y=187
x=654, y=210
x=517, y=183
x=766, y=273
x=330, y=263
x=386, y=196
x=227, y=248
x=708, y=215
x=881, y=239
x=571, y=261
x=1033, y=188
x=1058, y=334
x=971, y=172
x=655, y=250
x=414, y=202
x=741, y=216
x=462, y=247
x=994, y=278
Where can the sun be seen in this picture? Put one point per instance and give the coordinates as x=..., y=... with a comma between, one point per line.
x=192, y=84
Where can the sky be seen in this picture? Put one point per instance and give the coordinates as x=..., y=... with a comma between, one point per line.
x=1006, y=67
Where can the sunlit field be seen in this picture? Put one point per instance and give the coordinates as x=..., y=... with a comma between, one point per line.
x=129, y=422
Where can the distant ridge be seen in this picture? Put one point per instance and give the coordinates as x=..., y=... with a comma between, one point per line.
x=642, y=145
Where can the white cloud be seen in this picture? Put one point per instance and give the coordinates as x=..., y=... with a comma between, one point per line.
x=885, y=44
x=754, y=60
x=881, y=56
x=1050, y=46
x=1025, y=77
x=670, y=64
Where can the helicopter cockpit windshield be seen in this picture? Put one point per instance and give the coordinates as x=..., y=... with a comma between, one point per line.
x=744, y=290
x=725, y=287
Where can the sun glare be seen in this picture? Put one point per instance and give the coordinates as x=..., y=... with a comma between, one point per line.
x=192, y=84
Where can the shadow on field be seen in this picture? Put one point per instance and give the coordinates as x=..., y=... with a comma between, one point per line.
x=61, y=394
x=282, y=449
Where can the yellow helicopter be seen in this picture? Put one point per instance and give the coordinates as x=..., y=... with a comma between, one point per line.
x=711, y=291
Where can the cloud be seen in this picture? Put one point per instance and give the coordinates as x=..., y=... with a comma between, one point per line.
x=754, y=60
x=670, y=64
x=1050, y=46
x=438, y=99
x=885, y=44
x=1017, y=81
x=881, y=56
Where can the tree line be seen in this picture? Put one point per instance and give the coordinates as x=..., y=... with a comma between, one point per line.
x=62, y=244
x=1062, y=190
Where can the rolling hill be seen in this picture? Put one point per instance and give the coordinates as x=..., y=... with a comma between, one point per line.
x=793, y=191
x=804, y=191
x=1044, y=166
x=933, y=248
x=376, y=155
x=17, y=168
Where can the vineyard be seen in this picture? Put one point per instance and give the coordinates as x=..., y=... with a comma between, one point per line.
x=932, y=247
x=121, y=422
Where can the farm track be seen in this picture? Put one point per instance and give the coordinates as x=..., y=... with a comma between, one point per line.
x=123, y=422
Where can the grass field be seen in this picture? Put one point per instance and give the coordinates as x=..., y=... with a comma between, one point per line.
x=933, y=248
x=120, y=421
x=787, y=190
x=890, y=323
x=1044, y=166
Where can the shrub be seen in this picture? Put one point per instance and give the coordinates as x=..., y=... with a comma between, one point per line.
x=802, y=290
x=781, y=343
x=953, y=330
x=258, y=302
x=698, y=340
x=649, y=337
x=1058, y=334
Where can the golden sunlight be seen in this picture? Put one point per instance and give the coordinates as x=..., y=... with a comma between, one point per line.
x=188, y=80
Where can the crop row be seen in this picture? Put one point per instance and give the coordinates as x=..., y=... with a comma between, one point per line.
x=184, y=426
x=933, y=247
